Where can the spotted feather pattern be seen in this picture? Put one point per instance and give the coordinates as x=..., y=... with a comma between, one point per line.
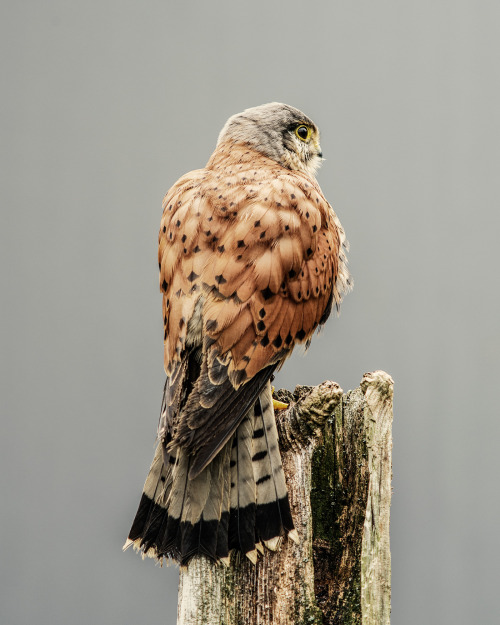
x=252, y=260
x=264, y=249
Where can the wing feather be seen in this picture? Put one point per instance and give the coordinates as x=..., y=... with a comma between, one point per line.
x=262, y=248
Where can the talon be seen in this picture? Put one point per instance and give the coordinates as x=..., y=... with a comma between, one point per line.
x=278, y=405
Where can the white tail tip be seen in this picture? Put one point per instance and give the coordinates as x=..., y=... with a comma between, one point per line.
x=294, y=535
x=127, y=544
x=273, y=544
x=252, y=556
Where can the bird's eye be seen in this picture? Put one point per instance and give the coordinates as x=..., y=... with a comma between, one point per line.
x=303, y=132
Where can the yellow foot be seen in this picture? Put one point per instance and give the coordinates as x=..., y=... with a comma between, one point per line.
x=278, y=405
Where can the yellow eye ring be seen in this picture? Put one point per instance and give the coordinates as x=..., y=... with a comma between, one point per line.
x=303, y=132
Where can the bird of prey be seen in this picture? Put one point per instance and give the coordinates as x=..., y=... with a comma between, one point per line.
x=252, y=260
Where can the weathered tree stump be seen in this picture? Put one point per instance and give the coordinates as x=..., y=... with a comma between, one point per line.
x=336, y=452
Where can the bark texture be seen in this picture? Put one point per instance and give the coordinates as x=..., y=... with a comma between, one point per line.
x=336, y=452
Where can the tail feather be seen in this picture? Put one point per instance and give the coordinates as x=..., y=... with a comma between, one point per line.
x=213, y=523
x=196, y=492
x=242, y=516
x=222, y=549
x=150, y=512
x=273, y=508
x=238, y=501
x=203, y=511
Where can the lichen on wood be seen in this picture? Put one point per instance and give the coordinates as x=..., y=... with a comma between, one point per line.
x=336, y=452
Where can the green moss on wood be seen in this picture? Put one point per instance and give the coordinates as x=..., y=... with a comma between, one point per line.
x=326, y=492
x=338, y=502
x=312, y=615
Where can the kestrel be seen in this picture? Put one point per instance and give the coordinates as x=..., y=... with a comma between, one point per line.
x=251, y=259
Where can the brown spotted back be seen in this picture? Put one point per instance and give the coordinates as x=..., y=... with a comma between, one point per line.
x=262, y=246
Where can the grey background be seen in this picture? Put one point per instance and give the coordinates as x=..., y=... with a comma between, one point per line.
x=104, y=105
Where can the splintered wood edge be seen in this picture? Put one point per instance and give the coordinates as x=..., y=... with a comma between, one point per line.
x=204, y=589
x=301, y=423
x=320, y=403
x=377, y=388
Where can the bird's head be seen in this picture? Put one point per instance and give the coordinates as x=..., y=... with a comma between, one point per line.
x=280, y=132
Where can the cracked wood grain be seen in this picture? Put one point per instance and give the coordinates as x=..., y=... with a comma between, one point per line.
x=336, y=452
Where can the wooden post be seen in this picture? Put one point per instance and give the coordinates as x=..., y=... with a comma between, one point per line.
x=336, y=452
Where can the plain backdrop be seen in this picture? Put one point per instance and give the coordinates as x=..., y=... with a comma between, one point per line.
x=104, y=105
